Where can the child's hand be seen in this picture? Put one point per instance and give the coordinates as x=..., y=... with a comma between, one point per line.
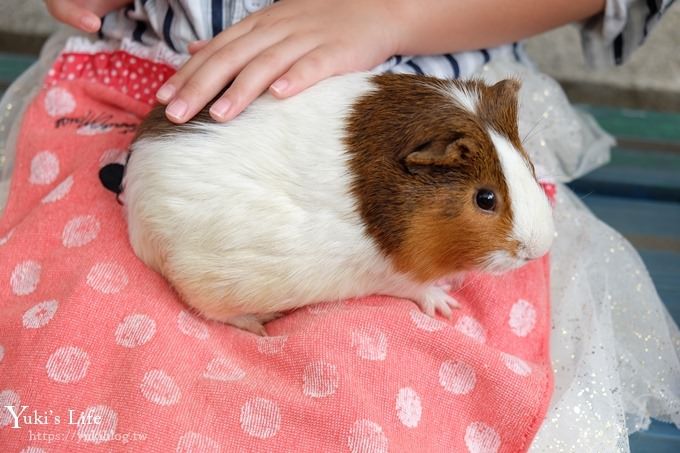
x=287, y=47
x=83, y=14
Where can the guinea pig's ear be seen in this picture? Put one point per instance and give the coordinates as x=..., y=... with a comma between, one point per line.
x=510, y=86
x=441, y=154
x=507, y=87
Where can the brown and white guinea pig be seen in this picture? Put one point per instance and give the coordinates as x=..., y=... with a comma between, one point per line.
x=363, y=184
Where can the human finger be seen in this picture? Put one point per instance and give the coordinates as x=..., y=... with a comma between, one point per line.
x=257, y=75
x=199, y=58
x=214, y=74
x=73, y=15
x=318, y=64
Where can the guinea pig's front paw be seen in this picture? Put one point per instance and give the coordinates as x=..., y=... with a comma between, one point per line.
x=434, y=299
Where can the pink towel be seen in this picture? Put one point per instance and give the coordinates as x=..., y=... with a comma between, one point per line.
x=101, y=355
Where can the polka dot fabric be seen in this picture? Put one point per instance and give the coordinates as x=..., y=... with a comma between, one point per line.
x=131, y=75
x=92, y=337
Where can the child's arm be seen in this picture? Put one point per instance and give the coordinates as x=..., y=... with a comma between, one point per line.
x=293, y=44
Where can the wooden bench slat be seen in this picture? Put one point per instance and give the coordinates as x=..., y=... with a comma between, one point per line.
x=637, y=124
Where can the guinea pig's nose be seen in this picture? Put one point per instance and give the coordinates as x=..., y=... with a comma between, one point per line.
x=537, y=246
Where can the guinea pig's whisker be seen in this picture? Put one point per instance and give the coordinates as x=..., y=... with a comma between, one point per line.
x=534, y=129
x=467, y=282
x=583, y=197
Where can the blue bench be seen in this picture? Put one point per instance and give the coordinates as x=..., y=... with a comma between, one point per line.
x=638, y=193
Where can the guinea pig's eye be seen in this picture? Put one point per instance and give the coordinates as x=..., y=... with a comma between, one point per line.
x=486, y=199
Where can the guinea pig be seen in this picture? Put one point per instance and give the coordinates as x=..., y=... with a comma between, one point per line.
x=362, y=184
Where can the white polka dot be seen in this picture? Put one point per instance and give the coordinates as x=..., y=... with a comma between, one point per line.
x=192, y=442
x=135, y=330
x=522, y=318
x=44, y=168
x=70, y=59
x=320, y=379
x=40, y=314
x=409, y=409
x=80, y=231
x=67, y=364
x=516, y=365
x=8, y=398
x=104, y=430
x=25, y=277
x=160, y=388
x=457, y=377
x=271, y=345
x=118, y=64
x=424, y=322
x=107, y=278
x=366, y=436
x=5, y=238
x=223, y=369
x=59, y=102
x=370, y=344
x=260, y=418
x=188, y=324
x=2, y=352
x=71, y=76
x=481, y=438
x=470, y=327
x=59, y=192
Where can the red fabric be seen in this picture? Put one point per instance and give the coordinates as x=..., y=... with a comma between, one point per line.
x=86, y=327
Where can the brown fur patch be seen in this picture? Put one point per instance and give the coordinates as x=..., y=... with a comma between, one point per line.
x=156, y=124
x=421, y=209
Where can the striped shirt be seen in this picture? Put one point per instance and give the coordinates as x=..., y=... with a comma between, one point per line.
x=608, y=38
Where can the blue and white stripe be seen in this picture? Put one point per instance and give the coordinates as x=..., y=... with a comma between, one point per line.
x=608, y=38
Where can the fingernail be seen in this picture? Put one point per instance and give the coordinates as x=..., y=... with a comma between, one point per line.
x=177, y=109
x=220, y=108
x=279, y=86
x=90, y=23
x=165, y=93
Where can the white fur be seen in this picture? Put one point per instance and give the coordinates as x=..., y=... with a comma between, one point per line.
x=531, y=212
x=255, y=216
x=465, y=97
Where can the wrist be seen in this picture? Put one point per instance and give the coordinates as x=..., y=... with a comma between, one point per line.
x=397, y=18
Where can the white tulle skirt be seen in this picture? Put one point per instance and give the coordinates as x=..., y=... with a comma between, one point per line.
x=615, y=349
